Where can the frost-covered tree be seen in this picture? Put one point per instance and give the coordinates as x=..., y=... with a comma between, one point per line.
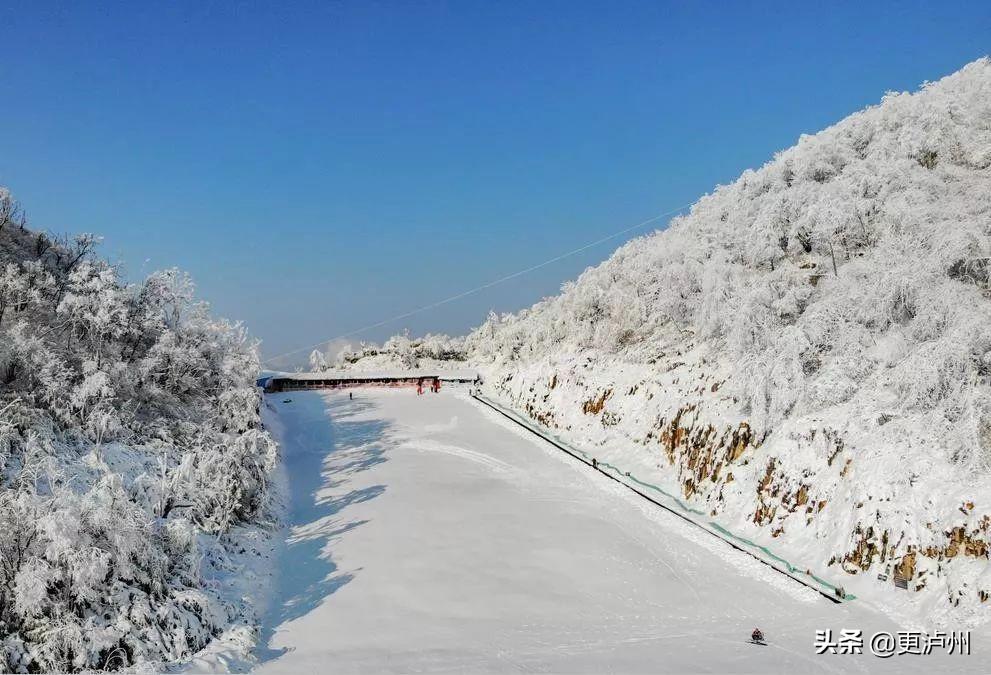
x=874, y=227
x=403, y=351
x=318, y=361
x=836, y=298
x=130, y=443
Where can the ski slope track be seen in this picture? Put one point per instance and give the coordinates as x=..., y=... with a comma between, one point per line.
x=430, y=533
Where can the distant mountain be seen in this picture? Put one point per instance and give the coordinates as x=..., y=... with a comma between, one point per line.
x=807, y=353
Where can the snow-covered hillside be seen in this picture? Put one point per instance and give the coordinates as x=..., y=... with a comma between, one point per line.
x=807, y=353
x=133, y=467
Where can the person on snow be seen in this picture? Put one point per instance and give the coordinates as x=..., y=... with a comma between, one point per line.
x=757, y=636
x=350, y=395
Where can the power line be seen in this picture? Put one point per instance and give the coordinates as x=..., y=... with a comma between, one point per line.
x=483, y=287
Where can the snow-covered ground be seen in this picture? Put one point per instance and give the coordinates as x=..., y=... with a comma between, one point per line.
x=428, y=533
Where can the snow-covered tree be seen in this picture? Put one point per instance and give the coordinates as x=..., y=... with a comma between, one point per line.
x=405, y=352
x=844, y=284
x=129, y=439
x=318, y=361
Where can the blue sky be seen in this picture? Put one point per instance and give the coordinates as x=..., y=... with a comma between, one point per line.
x=321, y=166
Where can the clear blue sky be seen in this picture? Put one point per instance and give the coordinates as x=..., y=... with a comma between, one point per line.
x=320, y=166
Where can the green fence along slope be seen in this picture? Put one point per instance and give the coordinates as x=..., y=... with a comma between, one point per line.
x=675, y=505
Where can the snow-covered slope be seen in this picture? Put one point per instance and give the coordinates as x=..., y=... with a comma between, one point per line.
x=430, y=534
x=807, y=353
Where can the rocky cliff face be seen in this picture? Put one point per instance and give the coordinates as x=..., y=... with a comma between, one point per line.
x=807, y=354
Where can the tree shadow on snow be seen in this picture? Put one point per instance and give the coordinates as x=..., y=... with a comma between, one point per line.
x=325, y=444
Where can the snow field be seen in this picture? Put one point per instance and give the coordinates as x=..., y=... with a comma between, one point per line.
x=426, y=535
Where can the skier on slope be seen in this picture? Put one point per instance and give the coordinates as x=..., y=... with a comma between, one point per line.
x=756, y=636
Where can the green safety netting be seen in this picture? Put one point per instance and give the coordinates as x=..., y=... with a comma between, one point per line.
x=692, y=515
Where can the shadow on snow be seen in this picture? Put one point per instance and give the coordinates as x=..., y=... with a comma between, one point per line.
x=326, y=442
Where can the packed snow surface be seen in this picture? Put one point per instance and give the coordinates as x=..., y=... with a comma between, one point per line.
x=429, y=533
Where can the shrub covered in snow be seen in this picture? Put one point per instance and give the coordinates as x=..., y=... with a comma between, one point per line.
x=129, y=443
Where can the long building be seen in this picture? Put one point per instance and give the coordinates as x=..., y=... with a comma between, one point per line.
x=336, y=379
